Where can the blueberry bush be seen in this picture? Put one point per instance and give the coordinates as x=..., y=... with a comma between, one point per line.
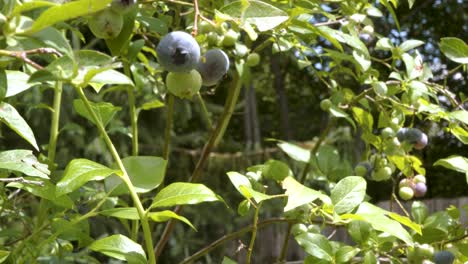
x=95, y=97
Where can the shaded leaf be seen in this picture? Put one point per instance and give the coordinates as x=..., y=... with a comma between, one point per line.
x=11, y=117
x=119, y=247
x=23, y=161
x=104, y=111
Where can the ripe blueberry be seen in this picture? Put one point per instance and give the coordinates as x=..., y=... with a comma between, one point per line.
x=178, y=51
x=420, y=189
x=444, y=257
x=213, y=66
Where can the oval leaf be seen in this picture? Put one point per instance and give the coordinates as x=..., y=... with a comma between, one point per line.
x=80, y=171
x=13, y=119
x=184, y=193
x=299, y=194
x=260, y=14
x=23, y=161
x=348, y=194
x=455, y=49
x=119, y=247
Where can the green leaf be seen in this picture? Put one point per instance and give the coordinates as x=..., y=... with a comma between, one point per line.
x=376, y=217
x=345, y=254
x=47, y=191
x=11, y=117
x=117, y=44
x=410, y=44
x=23, y=161
x=359, y=230
x=455, y=49
x=227, y=260
x=65, y=12
x=119, y=247
x=411, y=3
x=153, y=104
x=184, y=193
x=362, y=59
x=316, y=245
x=63, y=68
x=105, y=111
x=348, y=194
x=327, y=158
x=20, y=8
x=264, y=16
x=129, y=213
x=299, y=194
x=384, y=44
x=460, y=115
x=364, y=118
x=275, y=170
x=70, y=230
x=337, y=112
x=3, y=84
x=17, y=82
x=80, y=171
x=295, y=152
x=4, y=255
x=166, y=215
x=244, y=187
x=406, y=221
x=146, y=173
x=153, y=24
x=54, y=38
x=454, y=162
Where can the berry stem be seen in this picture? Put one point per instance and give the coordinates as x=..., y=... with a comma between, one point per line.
x=169, y=120
x=125, y=178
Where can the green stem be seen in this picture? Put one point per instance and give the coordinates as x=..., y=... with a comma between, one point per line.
x=215, y=136
x=124, y=177
x=169, y=120
x=134, y=126
x=284, y=249
x=54, y=126
x=205, y=112
x=133, y=113
x=254, y=234
x=232, y=236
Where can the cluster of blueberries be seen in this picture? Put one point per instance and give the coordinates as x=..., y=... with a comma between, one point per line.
x=179, y=53
x=379, y=169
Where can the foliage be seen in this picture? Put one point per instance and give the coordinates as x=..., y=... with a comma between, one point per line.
x=60, y=179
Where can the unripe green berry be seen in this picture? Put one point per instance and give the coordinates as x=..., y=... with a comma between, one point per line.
x=325, y=104
x=230, y=38
x=184, y=84
x=406, y=193
x=253, y=59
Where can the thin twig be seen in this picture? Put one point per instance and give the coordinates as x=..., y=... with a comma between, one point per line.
x=23, y=55
x=195, y=18
x=400, y=205
x=22, y=180
x=330, y=22
x=232, y=236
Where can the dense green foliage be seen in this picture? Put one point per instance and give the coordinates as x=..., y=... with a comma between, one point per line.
x=110, y=142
